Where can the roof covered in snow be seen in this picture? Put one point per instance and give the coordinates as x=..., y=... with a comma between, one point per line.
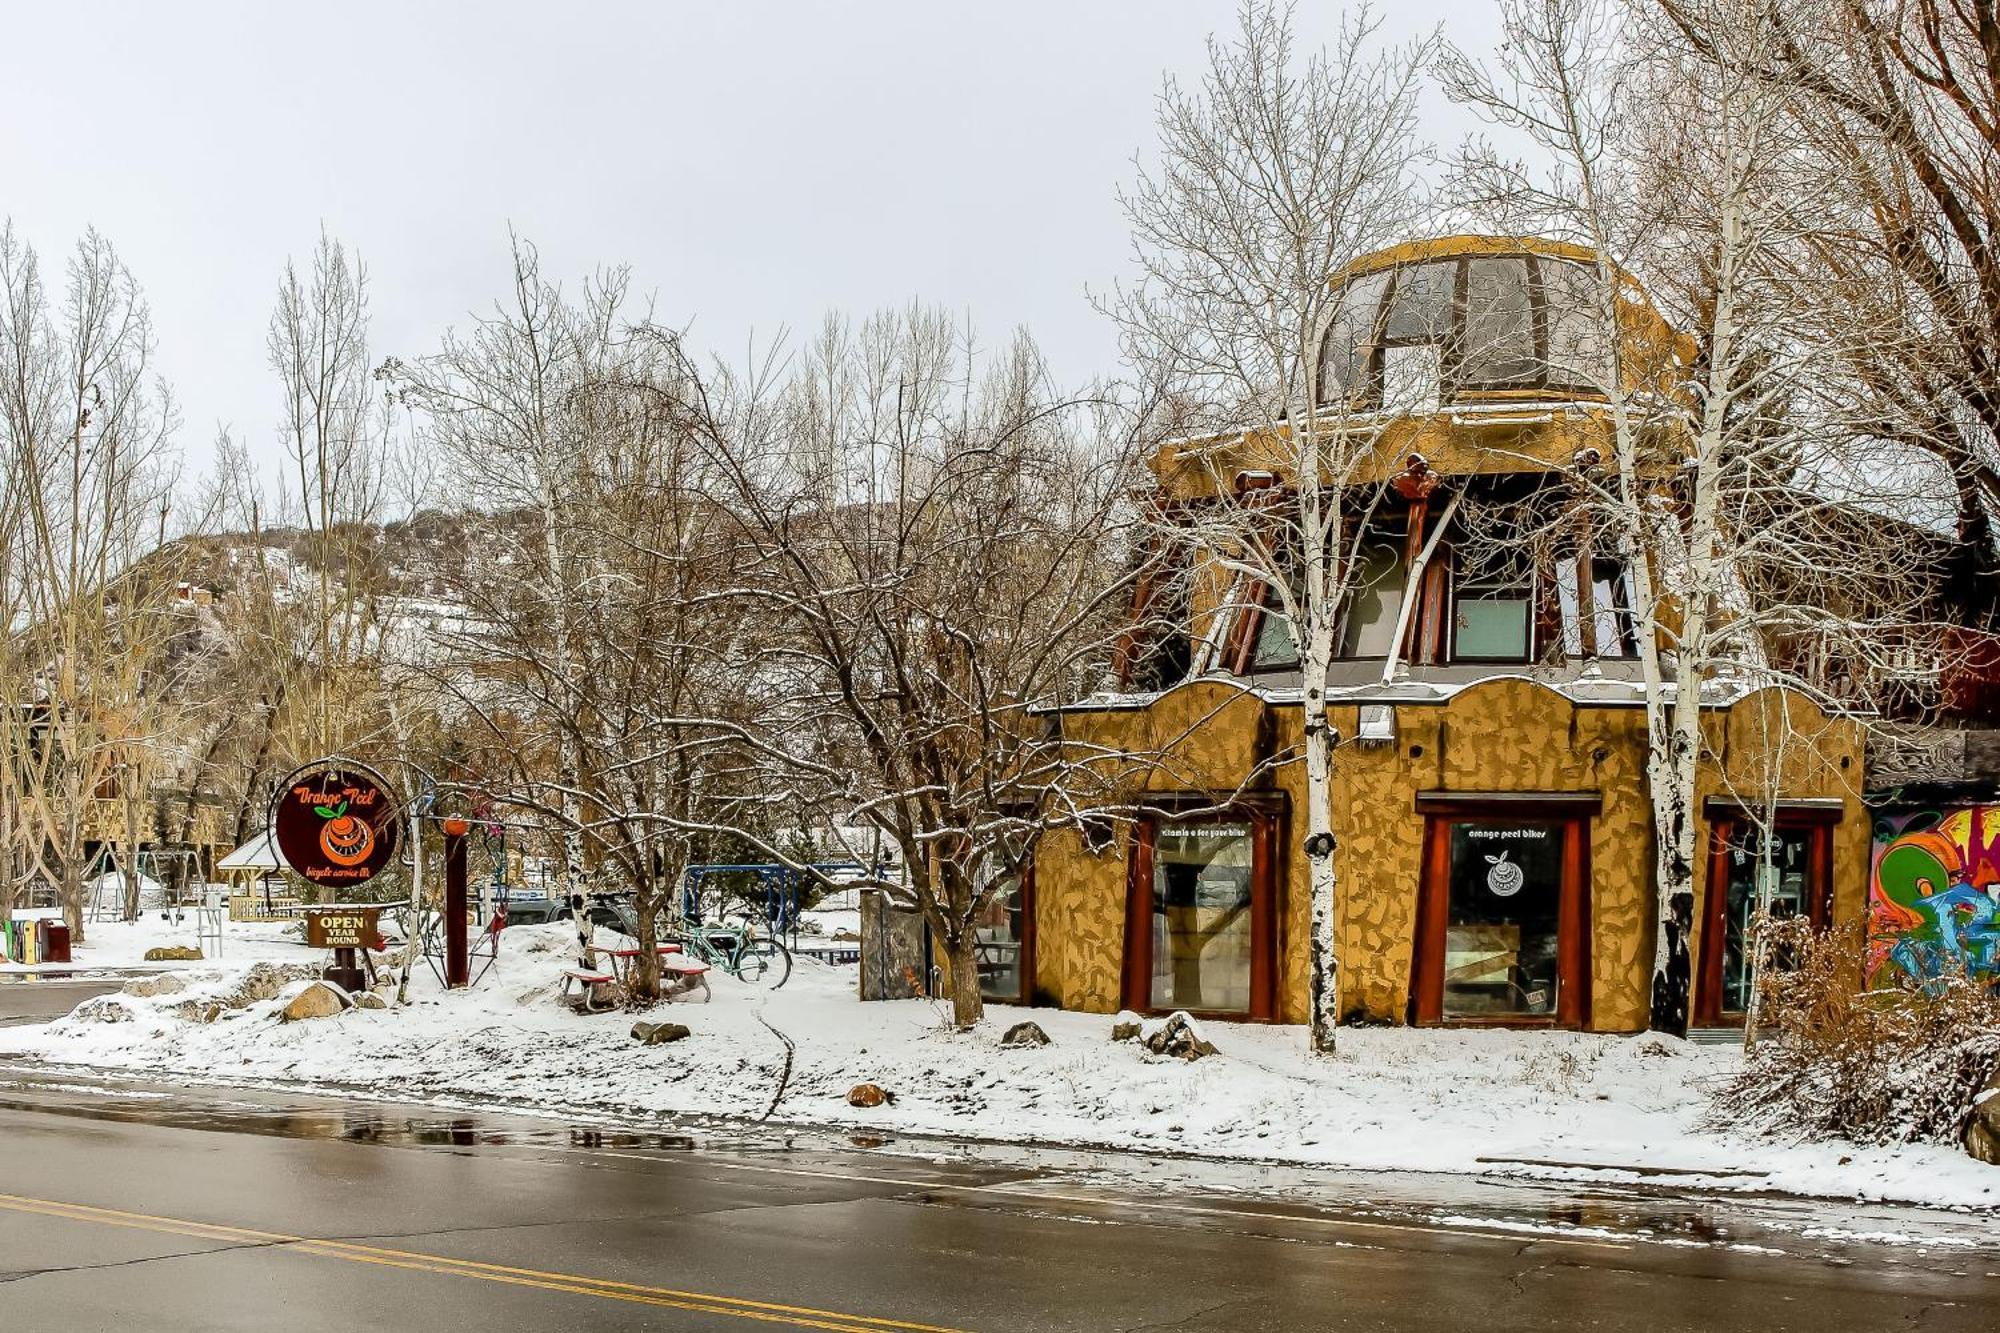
x=257, y=854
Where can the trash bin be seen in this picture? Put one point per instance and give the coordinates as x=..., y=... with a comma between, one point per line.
x=55, y=942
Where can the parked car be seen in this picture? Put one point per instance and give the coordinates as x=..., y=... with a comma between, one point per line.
x=535, y=912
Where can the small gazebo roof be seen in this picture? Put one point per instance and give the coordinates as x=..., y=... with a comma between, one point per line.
x=260, y=853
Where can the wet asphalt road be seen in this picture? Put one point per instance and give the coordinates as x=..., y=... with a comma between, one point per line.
x=126, y=1206
x=38, y=1000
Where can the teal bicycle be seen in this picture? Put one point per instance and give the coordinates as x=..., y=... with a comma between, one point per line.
x=741, y=952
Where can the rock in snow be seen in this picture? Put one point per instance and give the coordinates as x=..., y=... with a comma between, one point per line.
x=320, y=999
x=103, y=1009
x=1126, y=1027
x=1026, y=1034
x=174, y=953
x=658, y=1034
x=1179, y=1038
x=869, y=1094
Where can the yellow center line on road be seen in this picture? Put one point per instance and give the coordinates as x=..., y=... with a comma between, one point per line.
x=797, y=1316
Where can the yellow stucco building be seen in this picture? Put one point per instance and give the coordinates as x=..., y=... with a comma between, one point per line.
x=1494, y=837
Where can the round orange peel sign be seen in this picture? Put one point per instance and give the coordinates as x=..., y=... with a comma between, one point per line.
x=335, y=824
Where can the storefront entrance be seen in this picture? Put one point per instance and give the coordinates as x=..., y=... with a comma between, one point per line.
x=1502, y=933
x=1201, y=919
x=1797, y=881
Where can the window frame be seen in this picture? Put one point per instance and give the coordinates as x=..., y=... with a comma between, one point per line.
x=1238, y=648
x=1572, y=569
x=1454, y=583
x=1366, y=394
x=1256, y=612
x=1538, y=342
x=1725, y=822
x=1399, y=542
x=1572, y=812
x=1266, y=818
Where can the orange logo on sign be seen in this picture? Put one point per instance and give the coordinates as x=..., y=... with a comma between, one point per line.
x=346, y=841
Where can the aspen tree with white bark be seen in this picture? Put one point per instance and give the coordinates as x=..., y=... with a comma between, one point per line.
x=1276, y=171
x=1718, y=492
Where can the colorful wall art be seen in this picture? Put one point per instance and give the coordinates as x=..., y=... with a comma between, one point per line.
x=1934, y=896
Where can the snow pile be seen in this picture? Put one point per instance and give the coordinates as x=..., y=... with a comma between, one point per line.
x=1535, y=1103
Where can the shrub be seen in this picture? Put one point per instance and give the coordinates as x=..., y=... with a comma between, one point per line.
x=1834, y=1061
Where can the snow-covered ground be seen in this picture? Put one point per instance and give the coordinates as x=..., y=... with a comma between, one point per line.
x=1546, y=1104
x=122, y=945
x=842, y=923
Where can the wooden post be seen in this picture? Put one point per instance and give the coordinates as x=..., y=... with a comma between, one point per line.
x=457, y=961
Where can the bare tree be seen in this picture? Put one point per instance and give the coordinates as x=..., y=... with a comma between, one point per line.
x=90, y=473
x=935, y=542
x=1276, y=173
x=335, y=430
x=594, y=673
x=1716, y=493
x=1894, y=106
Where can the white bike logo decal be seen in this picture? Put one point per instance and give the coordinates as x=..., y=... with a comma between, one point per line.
x=1505, y=878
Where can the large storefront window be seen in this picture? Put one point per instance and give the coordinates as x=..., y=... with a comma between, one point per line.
x=1502, y=934
x=1201, y=931
x=1505, y=907
x=1201, y=918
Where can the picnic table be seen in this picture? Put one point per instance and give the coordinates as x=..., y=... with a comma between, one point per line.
x=688, y=973
x=626, y=961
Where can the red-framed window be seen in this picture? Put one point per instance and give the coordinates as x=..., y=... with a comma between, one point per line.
x=1800, y=868
x=1202, y=913
x=1503, y=918
x=1004, y=940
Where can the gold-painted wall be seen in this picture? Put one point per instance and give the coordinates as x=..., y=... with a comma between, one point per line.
x=1199, y=737
x=1508, y=734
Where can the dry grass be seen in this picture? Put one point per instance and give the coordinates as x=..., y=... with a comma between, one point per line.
x=1887, y=1066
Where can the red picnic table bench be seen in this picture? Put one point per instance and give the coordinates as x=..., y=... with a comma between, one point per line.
x=598, y=991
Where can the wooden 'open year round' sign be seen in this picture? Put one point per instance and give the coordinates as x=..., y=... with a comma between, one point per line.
x=336, y=823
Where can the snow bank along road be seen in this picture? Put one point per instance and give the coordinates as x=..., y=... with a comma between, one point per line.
x=135, y=1206
x=1397, y=1098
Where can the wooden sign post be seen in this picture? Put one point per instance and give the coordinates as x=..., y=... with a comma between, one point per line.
x=457, y=956
x=346, y=931
x=336, y=824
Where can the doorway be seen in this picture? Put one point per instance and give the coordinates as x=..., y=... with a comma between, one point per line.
x=1787, y=865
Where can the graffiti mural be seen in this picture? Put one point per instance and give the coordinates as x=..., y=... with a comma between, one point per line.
x=1934, y=896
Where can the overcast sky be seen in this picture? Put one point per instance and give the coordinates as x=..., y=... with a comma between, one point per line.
x=754, y=163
